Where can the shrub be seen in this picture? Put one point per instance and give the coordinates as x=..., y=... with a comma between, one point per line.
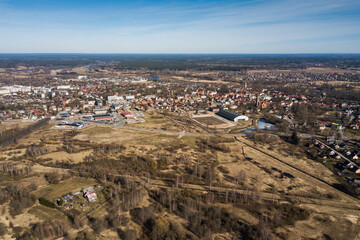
x=52, y=178
x=47, y=203
x=61, y=202
x=97, y=224
x=3, y=229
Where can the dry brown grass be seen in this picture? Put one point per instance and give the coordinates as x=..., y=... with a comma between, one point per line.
x=209, y=120
x=122, y=136
x=70, y=185
x=158, y=121
x=66, y=157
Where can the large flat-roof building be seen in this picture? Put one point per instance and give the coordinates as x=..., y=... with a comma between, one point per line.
x=102, y=117
x=232, y=116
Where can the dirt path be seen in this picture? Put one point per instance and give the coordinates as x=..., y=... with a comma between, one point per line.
x=260, y=195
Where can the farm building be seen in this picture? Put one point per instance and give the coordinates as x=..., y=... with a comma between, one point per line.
x=232, y=116
x=102, y=117
x=89, y=194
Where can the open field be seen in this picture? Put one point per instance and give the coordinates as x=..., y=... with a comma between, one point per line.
x=46, y=213
x=209, y=120
x=121, y=136
x=157, y=121
x=73, y=185
x=19, y=124
x=35, y=138
x=67, y=157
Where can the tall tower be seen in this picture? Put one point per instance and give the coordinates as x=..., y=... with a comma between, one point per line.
x=257, y=100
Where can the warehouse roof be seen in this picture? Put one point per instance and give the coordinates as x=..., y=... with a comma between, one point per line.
x=231, y=115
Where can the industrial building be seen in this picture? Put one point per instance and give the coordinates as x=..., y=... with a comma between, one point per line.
x=232, y=116
x=102, y=117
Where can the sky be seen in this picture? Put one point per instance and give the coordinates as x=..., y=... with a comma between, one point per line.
x=203, y=26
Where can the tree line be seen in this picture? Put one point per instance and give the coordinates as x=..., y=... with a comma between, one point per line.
x=16, y=135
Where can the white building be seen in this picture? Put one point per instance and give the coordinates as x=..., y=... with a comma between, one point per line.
x=130, y=97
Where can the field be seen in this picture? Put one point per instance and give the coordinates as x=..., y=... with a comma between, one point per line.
x=158, y=121
x=64, y=156
x=46, y=213
x=209, y=120
x=73, y=185
x=19, y=124
x=121, y=136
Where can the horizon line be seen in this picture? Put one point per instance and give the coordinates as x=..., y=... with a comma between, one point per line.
x=160, y=53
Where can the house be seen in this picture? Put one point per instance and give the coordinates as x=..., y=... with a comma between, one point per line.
x=232, y=116
x=353, y=156
x=347, y=152
x=322, y=155
x=355, y=169
x=331, y=152
x=89, y=194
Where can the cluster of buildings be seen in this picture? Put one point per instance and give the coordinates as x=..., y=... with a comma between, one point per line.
x=100, y=98
x=70, y=201
x=343, y=156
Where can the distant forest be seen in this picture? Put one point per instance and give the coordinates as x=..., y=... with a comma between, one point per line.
x=200, y=62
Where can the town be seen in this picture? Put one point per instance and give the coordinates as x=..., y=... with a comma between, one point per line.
x=101, y=151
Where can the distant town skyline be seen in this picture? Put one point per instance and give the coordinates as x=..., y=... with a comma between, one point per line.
x=109, y=26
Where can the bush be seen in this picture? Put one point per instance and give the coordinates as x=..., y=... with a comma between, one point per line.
x=3, y=229
x=294, y=138
x=47, y=203
x=130, y=234
x=74, y=217
x=97, y=224
x=52, y=178
x=85, y=236
x=61, y=202
x=212, y=144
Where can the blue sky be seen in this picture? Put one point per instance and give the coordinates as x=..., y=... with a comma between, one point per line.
x=243, y=26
